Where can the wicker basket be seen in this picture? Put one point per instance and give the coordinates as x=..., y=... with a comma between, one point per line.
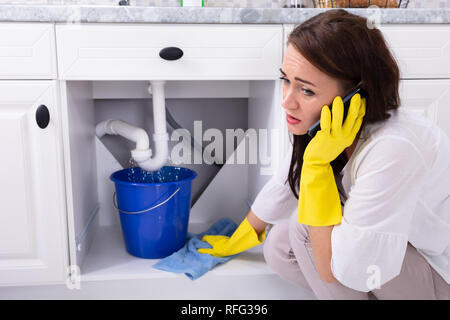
x=360, y=3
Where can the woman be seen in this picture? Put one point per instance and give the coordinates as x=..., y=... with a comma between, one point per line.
x=364, y=206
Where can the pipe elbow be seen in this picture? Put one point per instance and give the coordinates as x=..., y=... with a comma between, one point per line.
x=143, y=154
x=141, y=138
x=161, y=154
x=128, y=131
x=101, y=129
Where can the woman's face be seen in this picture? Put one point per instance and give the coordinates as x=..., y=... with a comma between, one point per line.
x=304, y=97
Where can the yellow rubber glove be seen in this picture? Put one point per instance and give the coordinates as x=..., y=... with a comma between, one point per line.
x=243, y=238
x=319, y=203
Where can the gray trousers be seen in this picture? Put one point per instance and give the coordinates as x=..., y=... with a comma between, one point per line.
x=288, y=252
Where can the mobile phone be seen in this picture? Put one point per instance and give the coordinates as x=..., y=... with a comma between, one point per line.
x=346, y=100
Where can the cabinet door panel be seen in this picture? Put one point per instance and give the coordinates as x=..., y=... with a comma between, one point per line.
x=33, y=245
x=422, y=51
x=132, y=52
x=27, y=51
x=429, y=98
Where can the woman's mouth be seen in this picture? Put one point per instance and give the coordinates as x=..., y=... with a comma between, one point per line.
x=291, y=120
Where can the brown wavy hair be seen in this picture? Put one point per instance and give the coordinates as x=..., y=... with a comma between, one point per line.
x=341, y=45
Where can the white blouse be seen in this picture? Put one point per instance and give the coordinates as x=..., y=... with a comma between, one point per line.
x=395, y=188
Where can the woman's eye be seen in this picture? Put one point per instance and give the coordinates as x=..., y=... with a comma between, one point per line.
x=306, y=91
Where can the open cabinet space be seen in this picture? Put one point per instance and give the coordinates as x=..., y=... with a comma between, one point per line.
x=96, y=243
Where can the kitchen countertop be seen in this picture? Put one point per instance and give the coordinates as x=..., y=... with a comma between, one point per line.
x=135, y=14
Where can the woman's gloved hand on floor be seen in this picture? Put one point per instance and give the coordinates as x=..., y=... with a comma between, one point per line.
x=319, y=202
x=243, y=238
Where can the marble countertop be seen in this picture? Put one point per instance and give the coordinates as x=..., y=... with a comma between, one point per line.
x=134, y=14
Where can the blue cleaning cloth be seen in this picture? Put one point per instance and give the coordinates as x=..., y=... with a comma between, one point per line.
x=192, y=263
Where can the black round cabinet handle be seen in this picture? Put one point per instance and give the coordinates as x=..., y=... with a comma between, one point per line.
x=42, y=116
x=171, y=53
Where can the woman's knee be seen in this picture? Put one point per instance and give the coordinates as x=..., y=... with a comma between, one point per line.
x=280, y=257
x=298, y=233
x=276, y=246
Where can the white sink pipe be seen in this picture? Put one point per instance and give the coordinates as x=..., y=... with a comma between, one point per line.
x=143, y=154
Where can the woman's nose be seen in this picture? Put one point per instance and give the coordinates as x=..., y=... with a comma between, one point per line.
x=289, y=101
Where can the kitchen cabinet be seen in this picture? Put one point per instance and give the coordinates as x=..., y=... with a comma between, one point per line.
x=33, y=221
x=33, y=240
x=75, y=225
x=104, y=66
x=423, y=55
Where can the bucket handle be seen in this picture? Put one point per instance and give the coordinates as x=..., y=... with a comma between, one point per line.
x=135, y=212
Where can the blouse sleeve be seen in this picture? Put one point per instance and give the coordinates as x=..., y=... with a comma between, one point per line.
x=369, y=245
x=276, y=201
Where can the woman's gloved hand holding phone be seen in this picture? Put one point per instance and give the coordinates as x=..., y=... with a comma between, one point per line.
x=319, y=202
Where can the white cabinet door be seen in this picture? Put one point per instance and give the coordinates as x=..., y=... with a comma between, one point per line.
x=33, y=240
x=428, y=98
x=421, y=51
x=27, y=51
x=136, y=52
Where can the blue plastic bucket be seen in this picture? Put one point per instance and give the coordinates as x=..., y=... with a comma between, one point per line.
x=154, y=209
